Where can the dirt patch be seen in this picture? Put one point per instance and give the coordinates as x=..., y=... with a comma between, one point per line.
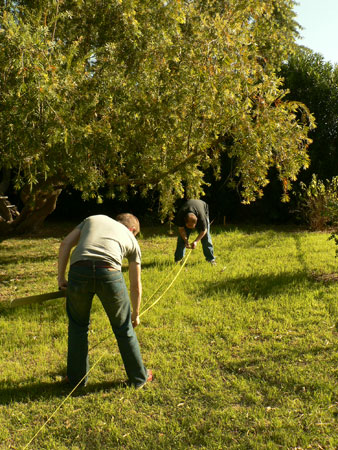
x=326, y=277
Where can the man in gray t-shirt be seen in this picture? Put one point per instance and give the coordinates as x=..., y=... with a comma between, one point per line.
x=100, y=244
x=105, y=239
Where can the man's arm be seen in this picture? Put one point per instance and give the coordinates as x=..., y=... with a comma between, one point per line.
x=184, y=236
x=64, y=251
x=135, y=291
x=199, y=237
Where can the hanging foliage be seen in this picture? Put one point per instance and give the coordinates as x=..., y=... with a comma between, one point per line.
x=145, y=95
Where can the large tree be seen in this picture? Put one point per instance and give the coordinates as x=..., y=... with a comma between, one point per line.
x=142, y=95
x=314, y=81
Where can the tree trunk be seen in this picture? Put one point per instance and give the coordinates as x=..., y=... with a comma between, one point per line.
x=37, y=206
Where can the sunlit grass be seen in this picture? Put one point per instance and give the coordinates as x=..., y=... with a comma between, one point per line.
x=244, y=353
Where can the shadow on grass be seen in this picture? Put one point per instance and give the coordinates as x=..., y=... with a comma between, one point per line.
x=249, y=228
x=39, y=391
x=6, y=310
x=159, y=264
x=34, y=310
x=167, y=265
x=300, y=252
x=11, y=259
x=289, y=374
x=261, y=286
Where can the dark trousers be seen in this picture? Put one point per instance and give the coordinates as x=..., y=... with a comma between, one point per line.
x=109, y=285
x=206, y=242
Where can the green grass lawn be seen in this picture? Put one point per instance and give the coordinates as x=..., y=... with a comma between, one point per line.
x=244, y=354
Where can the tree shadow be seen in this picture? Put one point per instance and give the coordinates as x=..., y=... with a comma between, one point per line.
x=292, y=381
x=300, y=252
x=159, y=264
x=11, y=259
x=260, y=286
x=167, y=265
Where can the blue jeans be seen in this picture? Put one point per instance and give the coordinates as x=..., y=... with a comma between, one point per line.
x=110, y=287
x=206, y=242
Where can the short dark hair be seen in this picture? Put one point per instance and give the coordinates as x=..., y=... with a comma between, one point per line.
x=130, y=221
x=190, y=218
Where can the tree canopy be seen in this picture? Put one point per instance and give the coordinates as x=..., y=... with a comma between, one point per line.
x=139, y=95
x=314, y=82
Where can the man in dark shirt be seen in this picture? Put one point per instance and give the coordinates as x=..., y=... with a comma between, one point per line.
x=194, y=214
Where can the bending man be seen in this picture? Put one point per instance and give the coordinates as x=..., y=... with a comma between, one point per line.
x=95, y=268
x=194, y=214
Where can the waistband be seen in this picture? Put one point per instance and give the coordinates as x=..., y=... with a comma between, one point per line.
x=94, y=263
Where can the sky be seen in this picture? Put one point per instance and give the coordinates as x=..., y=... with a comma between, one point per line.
x=319, y=19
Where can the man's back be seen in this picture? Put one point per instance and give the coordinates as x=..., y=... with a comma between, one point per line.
x=197, y=207
x=103, y=238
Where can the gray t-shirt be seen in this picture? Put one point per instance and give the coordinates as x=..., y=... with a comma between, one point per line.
x=105, y=239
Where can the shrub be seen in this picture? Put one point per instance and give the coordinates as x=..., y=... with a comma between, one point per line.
x=334, y=237
x=318, y=203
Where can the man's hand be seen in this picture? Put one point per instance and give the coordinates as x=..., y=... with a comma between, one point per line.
x=135, y=320
x=63, y=283
x=186, y=244
x=199, y=237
